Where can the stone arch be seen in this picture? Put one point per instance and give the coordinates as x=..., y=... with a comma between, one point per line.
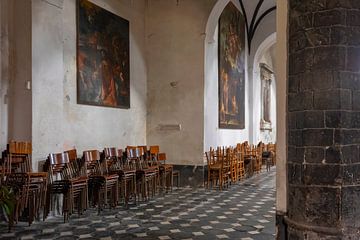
x=213, y=19
x=269, y=42
x=213, y=136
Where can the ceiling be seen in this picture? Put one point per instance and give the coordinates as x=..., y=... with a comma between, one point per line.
x=254, y=11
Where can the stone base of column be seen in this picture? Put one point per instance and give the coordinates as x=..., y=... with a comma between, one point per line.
x=300, y=231
x=281, y=227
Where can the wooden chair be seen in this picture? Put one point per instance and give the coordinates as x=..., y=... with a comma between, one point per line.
x=145, y=176
x=152, y=164
x=79, y=180
x=62, y=181
x=214, y=168
x=166, y=172
x=17, y=159
x=233, y=165
x=240, y=169
x=101, y=182
x=19, y=184
x=126, y=172
x=225, y=168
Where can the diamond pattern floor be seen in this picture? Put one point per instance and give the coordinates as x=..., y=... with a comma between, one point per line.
x=244, y=211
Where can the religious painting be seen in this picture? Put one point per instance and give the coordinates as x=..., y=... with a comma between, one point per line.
x=231, y=59
x=103, y=71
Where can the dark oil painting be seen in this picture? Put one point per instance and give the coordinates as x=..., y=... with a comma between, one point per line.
x=231, y=68
x=103, y=71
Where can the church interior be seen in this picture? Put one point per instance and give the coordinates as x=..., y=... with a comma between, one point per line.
x=180, y=119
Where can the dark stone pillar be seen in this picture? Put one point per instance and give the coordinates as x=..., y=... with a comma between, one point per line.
x=324, y=120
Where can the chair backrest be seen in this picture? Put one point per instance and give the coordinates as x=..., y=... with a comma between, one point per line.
x=78, y=167
x=211, y=157
x=120, y=153
x=18, y=157
x=92, y=161
x=20, y=147
x=59, y=165
x=144, y=150
x=111, y=158
x=128, y=158
x=91, y=155
x=162, y=157
x=72, y=155
x=154, y=149
x=110, y=152
x=136, y=154
x=132, y=152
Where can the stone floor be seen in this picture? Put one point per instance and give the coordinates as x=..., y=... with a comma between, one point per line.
x=244, y=211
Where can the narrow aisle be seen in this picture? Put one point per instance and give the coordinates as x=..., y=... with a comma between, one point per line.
x=244, y=211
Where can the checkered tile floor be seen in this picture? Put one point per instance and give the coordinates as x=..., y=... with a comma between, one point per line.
x=244, y=211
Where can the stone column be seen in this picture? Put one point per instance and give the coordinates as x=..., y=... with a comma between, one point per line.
x=324, y=119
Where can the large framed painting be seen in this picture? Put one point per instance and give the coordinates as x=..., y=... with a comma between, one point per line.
x=103, y=71
x=231, y=58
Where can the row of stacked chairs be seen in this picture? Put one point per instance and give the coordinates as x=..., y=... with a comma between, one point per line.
x=96, y=179
x=228, y=165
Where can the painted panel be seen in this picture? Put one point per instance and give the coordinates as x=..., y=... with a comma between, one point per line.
x=103, y=71
x=231, y=69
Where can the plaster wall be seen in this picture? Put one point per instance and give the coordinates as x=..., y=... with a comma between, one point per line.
x=5, y=13
x=281, y=105
x=266, y=28
x=175, y=46
x=59, y=123
x=91, y=127
x=15, y=71
x=20, y=99
x=266, y=55
x=47, y=75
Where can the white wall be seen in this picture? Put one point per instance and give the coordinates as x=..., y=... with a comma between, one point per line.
x=59, y=123
x=47, y=75
x=265, y=54
x=213, y=135
x=175, y=46
x=266, y=28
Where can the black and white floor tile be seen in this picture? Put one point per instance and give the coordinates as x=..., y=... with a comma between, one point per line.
x=243, y=211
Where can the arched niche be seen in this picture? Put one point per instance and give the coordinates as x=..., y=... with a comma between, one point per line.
x=213, y=136
x=260, y=58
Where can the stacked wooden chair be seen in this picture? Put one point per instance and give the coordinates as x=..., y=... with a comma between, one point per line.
x=103, y=184
x=31, y=187
x=126, y=171
x=64, y=180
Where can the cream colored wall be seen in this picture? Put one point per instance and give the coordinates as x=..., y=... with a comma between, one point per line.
x=266, y=28
x=281, y=78
x=20, y=81
x=4, y=71
x=15, y=104
x=175, y=47
x=59, y=123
